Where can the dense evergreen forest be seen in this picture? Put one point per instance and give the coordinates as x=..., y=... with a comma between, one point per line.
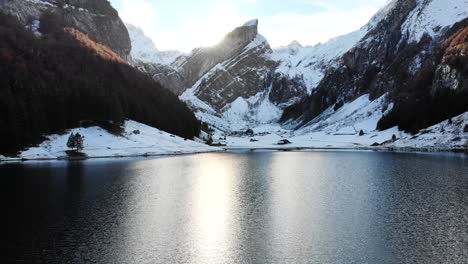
x=51, y=83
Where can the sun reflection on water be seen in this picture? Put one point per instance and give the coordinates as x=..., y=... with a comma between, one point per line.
x=212, y=208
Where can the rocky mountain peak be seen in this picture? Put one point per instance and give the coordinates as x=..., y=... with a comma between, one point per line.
x=251, y=23
x=202, y=60
x=96, y=18
x=295, y=45
x=241, y=36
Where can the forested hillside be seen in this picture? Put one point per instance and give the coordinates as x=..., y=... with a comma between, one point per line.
x=54, y=82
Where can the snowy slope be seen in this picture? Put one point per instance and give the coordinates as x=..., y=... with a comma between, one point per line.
x=310, y=63
x=361, y=114
x=445, y=135
x=341, y=129
x=431, y=17
x=99, y=143
x=239, y=115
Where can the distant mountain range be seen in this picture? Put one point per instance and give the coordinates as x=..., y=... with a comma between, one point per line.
x=407, y=68
x=405, y=53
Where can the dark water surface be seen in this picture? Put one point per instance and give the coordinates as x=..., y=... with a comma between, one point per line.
x=264, y=207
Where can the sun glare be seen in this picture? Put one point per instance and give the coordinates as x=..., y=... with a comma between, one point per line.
x=203, y=30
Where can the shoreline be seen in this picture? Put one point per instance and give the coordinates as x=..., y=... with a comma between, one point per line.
x=378, y=149
x=252, y=149
x=146, y=155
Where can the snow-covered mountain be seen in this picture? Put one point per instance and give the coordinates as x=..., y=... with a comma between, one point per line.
x=310, y=63
x=413, y=55
x=409, y=62
x=405, y=70
x=144, y=50
x=242, y=82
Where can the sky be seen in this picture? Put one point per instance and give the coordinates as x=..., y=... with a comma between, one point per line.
x=187, y=24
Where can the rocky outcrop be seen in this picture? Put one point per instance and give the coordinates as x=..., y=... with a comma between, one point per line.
x=96, y=18
x=452, y=73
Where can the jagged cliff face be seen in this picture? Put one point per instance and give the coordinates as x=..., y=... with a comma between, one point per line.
x=204, y=59
x=410, y=55
x=97, y=18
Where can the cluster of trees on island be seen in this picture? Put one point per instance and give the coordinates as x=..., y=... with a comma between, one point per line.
x=52, y=83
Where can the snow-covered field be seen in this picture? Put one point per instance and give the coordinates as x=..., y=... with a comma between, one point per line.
x=332, y=130
x=341, y=129
x=445, y=135
x=137, y=140
x=428, y=140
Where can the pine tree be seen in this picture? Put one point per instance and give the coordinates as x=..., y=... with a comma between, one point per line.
x=75, y=141
x=79, y=142
x=71, y=141
x=210, y=139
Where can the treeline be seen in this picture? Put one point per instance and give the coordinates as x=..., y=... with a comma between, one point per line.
x=52, y=83
x=419, y=109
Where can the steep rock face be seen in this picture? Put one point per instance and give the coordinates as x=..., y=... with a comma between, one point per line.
x=239, y=66
x=400, y=56
x=242, y=75
x=96, y=18
x=204, y=59
x=165, y=74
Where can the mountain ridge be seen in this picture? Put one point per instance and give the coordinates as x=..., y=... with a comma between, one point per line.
x=389, y=60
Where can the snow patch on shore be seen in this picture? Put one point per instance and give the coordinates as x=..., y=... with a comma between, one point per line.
x=342, y=129
x=137, y=140
x=449, y=134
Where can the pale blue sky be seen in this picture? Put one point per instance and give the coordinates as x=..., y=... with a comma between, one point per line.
x=186, y=24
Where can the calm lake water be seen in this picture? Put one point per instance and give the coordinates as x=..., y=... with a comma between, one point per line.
x=262, y=207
